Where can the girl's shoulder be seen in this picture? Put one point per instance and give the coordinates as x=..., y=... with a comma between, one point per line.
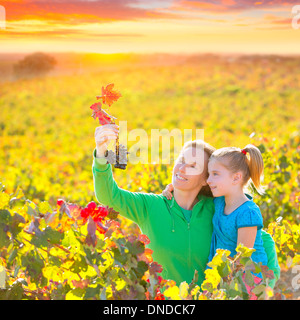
x=250, y=204
x=249, y=215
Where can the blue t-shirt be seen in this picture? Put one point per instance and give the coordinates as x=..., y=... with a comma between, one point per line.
x=225, y=228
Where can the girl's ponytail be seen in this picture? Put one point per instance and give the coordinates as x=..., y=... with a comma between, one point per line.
x=256, y=167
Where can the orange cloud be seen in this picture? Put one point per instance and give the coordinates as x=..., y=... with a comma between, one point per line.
x=62, y=32
x=227, y=6
x=201, y=5
x=137, y=25
x=77, y=11
x=275, y=20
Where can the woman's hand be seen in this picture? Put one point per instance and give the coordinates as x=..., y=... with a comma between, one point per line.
x=103, y=135
x=168, y=191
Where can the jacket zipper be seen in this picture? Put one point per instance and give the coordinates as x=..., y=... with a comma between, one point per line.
x=189, y=245
x=189, y=233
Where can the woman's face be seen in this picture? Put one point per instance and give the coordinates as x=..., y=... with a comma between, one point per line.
x=190, y=169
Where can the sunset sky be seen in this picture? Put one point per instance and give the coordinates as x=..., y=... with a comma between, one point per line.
x=176, y=26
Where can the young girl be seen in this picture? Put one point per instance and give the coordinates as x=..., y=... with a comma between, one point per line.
x=237, y=218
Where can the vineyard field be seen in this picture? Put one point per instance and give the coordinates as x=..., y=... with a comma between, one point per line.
x=47, y=143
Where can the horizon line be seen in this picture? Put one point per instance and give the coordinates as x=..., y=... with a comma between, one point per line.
x=155, y=53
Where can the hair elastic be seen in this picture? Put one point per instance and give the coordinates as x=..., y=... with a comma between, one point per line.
x=244, y=151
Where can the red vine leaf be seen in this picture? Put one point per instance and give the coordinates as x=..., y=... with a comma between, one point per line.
x=155, y=268
x=109, y=95
x=104, y=118
x=144, y=239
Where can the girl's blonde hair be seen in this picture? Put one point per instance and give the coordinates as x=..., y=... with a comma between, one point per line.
x=208, y=149
x=248, y=160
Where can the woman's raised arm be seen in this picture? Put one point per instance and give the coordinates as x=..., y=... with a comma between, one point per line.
x=131, y=205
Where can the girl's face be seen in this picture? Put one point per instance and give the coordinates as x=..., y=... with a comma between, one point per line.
x=190, y=170
x=220, y=179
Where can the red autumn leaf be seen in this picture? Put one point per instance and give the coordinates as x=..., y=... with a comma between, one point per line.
x=109, y=95
x=91, y=206
x=112, y=214
x=60, y=202
x=113, y=226
x=155, y=268
x=159, y=295
x=146, y=256
x=99, y=214
x=268, y=273
x=82, y=284
x=104, y=117
x=84, y=214
x=96, y=106
x=144, y=239
x=101, y=228
x=96, y=213
x=74, y=210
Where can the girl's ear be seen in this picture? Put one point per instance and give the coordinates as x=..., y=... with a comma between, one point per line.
x=237, y=177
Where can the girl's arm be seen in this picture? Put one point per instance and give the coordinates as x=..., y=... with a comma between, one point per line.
x=168, y=191
x=246, y=236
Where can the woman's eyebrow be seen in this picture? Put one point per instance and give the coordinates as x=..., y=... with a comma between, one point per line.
x=181, y=158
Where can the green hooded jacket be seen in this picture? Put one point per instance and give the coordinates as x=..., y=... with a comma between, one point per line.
x=181, y=247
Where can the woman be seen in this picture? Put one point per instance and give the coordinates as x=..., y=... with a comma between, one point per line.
x=179, y=229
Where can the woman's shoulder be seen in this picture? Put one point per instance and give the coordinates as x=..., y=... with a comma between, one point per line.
x=207, y=201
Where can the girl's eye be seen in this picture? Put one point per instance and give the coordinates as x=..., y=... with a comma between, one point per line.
x=215, y=174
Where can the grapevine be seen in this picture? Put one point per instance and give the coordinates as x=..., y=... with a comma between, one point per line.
x=108, y=97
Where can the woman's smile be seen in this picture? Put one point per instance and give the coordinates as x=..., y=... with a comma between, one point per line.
x=178, y=176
